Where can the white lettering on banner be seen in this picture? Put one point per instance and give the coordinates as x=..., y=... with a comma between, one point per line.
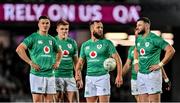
x=68, y=12
x=123, y=15
x=133, y=13
x=22, y=12
x=120, y=10
x=38, y=10
x=9, y=12
x=96, y=11
x=29, y=16
x=73, y=13
x=88, y=12
x=55, y=12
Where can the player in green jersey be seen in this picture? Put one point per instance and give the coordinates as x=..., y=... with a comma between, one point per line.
x=129, y=65
x=147, y=63
x=95, y=51
x=42, y=49
x=65, y=82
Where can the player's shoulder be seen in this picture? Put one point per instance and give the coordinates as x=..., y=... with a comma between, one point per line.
x=51, y=37
x=32, y=35
x=106, y=41
x=56, y=37
x=71, y=40
x=131, y=48
x=153, y=36
x=88, y=41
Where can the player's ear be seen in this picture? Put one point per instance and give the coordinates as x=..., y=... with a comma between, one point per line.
x=91, y=28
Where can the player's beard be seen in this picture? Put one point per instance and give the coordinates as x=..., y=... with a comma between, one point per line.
x=142, y=32
x=97, y=36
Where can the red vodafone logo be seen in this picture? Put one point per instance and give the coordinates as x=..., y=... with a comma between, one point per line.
x=93, y=54
x=142, y=51
x=65, y=53
x=46, y=49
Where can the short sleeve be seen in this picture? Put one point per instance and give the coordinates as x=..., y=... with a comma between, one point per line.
x=82, y=53
x=130, y=51
x=160, y=42
x=111, y=48
x=55, y=45
x=75, y=48
x=28, y=41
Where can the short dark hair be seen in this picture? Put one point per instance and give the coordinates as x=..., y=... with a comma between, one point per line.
x=92, y=22
x=43, y=17
x=62, y=22
x=145, y=19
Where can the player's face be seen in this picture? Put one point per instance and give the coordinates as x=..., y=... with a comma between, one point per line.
x=44, y=25
x=140, y=27
x=98, y=30
x=63, y=31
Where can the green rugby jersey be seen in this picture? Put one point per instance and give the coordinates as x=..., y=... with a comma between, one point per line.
x=131, y=57
x=42, y=51
x=70, y=49
x=95, y=52
x=149, y=50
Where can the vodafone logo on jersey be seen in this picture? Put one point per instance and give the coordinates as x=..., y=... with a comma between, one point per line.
x=142, y=51
x=65, y=53
x=93, y=54
x=46, y=49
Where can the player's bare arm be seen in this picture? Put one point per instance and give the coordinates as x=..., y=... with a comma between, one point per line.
x=166, y=79
x=119, y=80
x=126, y=67
x=75, y=60
x=58, y=59
x=21, y=51
x=78, y=75
x=169, y=52
x=136, y=61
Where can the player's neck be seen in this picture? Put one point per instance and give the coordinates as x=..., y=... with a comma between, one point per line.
x=146, y=33
x=61, y=38
x=44, y=33
x=94, y=39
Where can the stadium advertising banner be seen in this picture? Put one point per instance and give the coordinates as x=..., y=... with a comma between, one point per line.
x=77, y=13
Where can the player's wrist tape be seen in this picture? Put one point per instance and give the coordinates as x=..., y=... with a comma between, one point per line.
x=136, y=61
x=30, y=63
x=161, y=64
x=166, y=80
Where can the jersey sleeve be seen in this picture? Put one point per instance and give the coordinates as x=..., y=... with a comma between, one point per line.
x=129, y=53
x=111, y=48
x=28, y=41
x=55, y=45
x=75, y=48
x=82, y=53
x=160, y=42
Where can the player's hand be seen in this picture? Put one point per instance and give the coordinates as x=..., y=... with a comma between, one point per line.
x=136, y=67
x=136, y=31
x=56, y=65
x=79, y=84
x=35, y=66
x=78, y=75
x=167, y=85
x=154, y=67
x=118, y=81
